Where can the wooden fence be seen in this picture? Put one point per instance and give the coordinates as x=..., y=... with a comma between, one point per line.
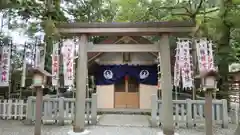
x=190, y=112
x=12, y=109
x=54, y=109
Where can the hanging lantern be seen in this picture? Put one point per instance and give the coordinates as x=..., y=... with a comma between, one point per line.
x=126, y=78
x=159, y=86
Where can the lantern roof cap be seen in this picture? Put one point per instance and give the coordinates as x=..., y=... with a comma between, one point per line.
x=41, y=71
x=210, y=73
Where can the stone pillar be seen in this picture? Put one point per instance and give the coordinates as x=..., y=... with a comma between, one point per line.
x=79, y=116
x=38, y=119
x=208, y=112
x=166, y=86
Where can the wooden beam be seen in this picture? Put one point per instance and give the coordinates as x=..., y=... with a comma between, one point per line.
x=94, y=57
x=126, y=31
x=123, y=48
x=155, y=55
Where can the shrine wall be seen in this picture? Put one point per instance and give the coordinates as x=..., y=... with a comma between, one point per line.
x=105, y=96
x=145, y=93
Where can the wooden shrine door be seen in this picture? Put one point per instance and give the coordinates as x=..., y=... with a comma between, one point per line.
x=126, y=93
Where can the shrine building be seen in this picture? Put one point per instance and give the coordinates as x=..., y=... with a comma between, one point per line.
x=126, y=64
x=124, y=79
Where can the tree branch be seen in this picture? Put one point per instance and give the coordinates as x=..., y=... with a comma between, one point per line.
x=198, y=8
x=179, y=7
x=209, y=17
x=170, y=7
x=189, y=4
x=182, y=14
x=210, y=11
x=187, y=10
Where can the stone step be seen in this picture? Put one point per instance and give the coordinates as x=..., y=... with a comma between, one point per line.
x=124, y=120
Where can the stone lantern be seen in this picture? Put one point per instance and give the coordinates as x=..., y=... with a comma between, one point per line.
x=209, y=80
x=209, y=85
x=40, y=77
x=39, y=81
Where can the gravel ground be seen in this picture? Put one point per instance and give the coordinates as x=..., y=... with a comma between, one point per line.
x=9, y=127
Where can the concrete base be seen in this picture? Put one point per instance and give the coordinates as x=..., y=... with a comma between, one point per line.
x=28, y=122
x=237, y=132
x=161, y=133
x=85, y=132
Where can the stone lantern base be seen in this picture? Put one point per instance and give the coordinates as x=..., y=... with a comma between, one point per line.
x=85, y=132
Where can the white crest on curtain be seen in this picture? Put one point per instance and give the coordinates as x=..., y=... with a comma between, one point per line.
x=5, y=65
x=55, y=64
x=143, y=74
x=108, y=74
x=68, y=50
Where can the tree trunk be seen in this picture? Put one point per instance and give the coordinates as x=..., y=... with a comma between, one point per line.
x=48, y=60
x=224, y=48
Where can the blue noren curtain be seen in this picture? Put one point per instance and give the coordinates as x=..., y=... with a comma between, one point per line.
x=110, y=74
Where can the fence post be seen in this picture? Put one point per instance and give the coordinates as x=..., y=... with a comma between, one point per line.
x=9, y=110
x=29, y=111
x=61, y=111
x=225, y=114
x=94, y=109
x=1, y=106
x=237, y=113
x=154, y=109
x=189, y=113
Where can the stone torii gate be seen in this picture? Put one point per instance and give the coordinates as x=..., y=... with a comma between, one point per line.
x=162, y=29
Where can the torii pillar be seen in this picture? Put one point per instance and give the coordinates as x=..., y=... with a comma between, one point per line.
x=166, y=85
x=79, y=117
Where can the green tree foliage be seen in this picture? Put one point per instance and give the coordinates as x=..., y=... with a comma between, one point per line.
x=217, y=19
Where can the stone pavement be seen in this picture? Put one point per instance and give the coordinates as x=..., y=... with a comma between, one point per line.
x=108, y=125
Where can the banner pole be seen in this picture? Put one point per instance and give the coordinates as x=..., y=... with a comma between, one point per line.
x=24, y=66
x=10, y=71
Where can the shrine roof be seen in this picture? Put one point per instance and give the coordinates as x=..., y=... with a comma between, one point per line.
x=117, y=40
